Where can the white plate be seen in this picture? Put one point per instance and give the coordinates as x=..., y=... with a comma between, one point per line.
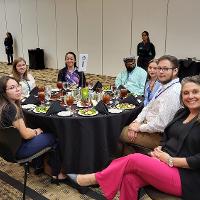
x=65, y=113
x=28, y=106
x=114, y=110
x=88, y=115
x=55, y=90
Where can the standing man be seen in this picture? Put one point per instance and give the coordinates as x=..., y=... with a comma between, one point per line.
x=146, y=130
x=133, y=78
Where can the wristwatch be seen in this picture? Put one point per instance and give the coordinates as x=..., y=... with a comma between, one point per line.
x=170, y=161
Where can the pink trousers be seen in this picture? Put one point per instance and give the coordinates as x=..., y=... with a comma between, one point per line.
x=130, y=173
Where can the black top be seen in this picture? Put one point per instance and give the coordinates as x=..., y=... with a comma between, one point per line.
x=62, y=75
x=8, y=115
x=8, y=42
x=146, y=52
x=186, y=145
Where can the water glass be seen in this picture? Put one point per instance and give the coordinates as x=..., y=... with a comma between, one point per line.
x=48, y=93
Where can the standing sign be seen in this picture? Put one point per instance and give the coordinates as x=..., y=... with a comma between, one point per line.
x=83, y=60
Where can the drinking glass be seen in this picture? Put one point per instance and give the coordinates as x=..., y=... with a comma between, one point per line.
x=41, y=96
x=123, y=93
x=69, y=100
x=60, y=87
x=47, y=93
x=65, y=85
x=106, y=98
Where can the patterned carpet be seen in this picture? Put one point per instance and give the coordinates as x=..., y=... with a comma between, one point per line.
x=39, y=187
x=49, y=76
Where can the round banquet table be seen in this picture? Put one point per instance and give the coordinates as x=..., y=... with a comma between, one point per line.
x=86, y=143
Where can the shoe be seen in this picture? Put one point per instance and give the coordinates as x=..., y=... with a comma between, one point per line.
x=74, y=184
x=58, y=181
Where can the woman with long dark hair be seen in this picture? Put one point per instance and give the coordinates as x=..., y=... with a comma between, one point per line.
x=70, y=73
x=145, y=51
x=11, y=114
x=8, y=42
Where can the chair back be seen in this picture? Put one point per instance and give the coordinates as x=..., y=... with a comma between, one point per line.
x=10, y=140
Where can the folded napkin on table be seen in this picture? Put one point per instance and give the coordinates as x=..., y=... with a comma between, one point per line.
x=55, y=108
x=101, y=108
x=97, y=85
x=34, y=91
x=130, y=99
x=31, y=100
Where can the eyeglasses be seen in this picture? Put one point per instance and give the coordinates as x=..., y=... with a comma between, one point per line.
x=14, y=87
x=164, y=69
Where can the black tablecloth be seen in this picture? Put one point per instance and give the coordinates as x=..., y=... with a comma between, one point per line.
x=86, y=143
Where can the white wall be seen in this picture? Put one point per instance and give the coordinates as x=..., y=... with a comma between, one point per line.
x=107, y=30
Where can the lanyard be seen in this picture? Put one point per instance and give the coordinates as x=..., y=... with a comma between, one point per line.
x=25, y=81
x=161, y=91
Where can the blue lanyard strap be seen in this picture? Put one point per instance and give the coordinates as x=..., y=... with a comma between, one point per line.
x=161, y=91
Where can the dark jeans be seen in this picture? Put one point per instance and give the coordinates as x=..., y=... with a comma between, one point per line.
x=10, y=58
x=34, y=145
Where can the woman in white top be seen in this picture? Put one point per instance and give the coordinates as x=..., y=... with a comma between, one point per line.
x=20, y=73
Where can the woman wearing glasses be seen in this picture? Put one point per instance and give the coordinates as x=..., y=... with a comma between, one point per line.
x=21, y=74
x=173, y=167
x=11, y=114
x=152, y=83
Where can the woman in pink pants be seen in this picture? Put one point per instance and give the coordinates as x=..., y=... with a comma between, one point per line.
x=173, y=167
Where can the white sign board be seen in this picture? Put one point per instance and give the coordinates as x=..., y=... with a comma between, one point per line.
x=83, y=60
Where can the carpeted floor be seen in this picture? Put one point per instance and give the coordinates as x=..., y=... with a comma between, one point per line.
x=39, y=187
x=49, y=76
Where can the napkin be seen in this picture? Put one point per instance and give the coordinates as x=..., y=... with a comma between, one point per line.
x=31, y=100
x=34, y=91
x=130, y=99
x=55, y=108
x=101, y=108
x=97, y=85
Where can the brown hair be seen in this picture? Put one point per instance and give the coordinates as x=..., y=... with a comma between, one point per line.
x=4, y=99
x=15, y=73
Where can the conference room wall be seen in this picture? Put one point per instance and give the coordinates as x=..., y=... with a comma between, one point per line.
x=150, y=16
x=90, y=33
x=183, y=39
x=106, y=29
x=2, y=30
x=66, y=29
x=29, y=29
x=12, y=23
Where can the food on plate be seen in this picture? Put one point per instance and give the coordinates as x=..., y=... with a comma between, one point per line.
x=88, y=112
x=125, y=106
x=41, y=109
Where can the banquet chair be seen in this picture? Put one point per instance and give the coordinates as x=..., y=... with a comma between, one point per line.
x=155, y=194
x=10, y=140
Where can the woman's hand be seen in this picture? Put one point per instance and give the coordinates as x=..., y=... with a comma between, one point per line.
x=161, y=155
x=38, y=131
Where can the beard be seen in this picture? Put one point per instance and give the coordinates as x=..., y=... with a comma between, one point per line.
x=130, y=68
x=166, y=81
